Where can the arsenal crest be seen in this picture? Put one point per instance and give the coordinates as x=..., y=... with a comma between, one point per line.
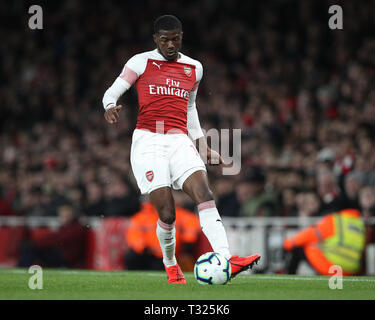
x=150, y=175
x=187, y=70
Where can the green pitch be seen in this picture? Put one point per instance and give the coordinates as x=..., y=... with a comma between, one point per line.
x=150, y=285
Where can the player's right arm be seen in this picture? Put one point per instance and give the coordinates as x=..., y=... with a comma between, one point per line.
x=113, y=93
x=129, y=75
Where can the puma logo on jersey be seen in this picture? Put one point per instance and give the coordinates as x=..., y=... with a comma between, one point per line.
x=155, y=64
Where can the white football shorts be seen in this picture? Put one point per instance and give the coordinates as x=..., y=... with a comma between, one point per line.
x=163, y=160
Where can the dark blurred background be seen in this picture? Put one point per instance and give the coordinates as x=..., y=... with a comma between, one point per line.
x=301, y=93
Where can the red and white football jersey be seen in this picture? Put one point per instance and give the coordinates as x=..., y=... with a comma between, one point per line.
x=163, y=89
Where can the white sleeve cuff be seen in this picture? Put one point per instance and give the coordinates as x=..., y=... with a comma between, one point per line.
x=114, y=92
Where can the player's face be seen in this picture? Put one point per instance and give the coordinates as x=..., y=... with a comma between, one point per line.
x=169, y=43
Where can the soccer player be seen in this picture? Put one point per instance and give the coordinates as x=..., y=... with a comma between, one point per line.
x=162, y=155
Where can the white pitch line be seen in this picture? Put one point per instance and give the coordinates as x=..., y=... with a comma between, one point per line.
x=317, y=278
x=89, y=272
x=156, y=274
x=71, y=272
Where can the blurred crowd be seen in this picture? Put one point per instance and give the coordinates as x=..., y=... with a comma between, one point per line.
x=301, y=94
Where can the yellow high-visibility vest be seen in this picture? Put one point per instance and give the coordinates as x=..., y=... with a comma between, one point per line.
x=346, y=245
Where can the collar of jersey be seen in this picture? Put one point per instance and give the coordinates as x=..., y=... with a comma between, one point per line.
x=160, y=56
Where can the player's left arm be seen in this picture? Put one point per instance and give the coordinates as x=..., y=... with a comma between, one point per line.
x=193, y=124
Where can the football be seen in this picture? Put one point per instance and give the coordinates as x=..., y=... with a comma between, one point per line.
x=212, y=268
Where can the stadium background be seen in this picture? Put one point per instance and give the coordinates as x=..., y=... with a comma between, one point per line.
x=300, y=92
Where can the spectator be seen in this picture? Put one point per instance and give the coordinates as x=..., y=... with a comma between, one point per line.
x=227, y=201
x=308, y=204
x=296, y=101
x=288, y=202
x=259, y=202
x=120, y=198
x=329, y=192
x=65, y=247
x=367, y=201
x=95, y=203
x=353, y=182
x=6, y=208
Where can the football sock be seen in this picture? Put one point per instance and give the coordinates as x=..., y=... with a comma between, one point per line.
x=166, y=234
x=213, y=228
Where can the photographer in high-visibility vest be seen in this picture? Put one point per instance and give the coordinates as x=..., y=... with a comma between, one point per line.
x=337, y=239
x=144, y=251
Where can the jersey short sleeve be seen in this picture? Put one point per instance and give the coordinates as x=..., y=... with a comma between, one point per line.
x=137, y=63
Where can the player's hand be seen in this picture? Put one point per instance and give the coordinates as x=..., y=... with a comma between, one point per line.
x=213, y=157
x=112, y=114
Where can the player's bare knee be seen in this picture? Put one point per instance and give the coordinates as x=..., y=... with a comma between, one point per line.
x=167, y=219
x=167, y=214
x=203, y=195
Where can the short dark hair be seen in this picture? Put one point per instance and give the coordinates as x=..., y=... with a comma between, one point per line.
x=167, y=22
